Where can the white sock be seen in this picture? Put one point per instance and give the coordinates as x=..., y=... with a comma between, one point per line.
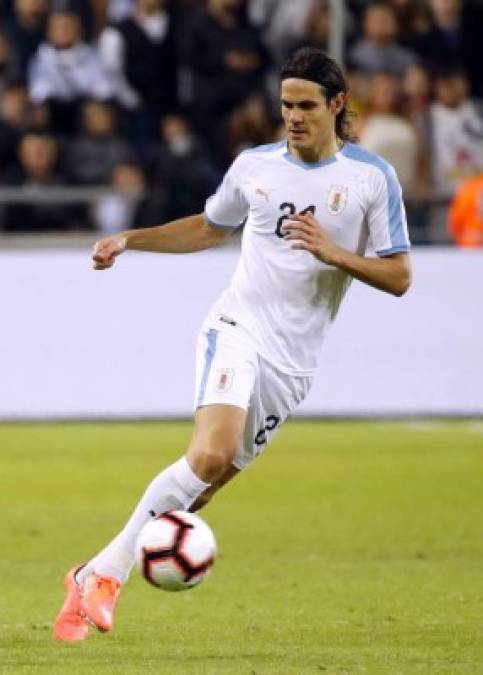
x=177, y=487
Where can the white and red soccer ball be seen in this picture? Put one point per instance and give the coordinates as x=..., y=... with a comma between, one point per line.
x=175, y=551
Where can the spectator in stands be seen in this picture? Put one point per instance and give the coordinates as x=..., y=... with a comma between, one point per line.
x=281, y=22
x=9, y=69
x=413, y=18
x=182, y=164
x=26, y=28
x=454, y=40
x=65, y=69
x=316, y=29
x=130, y=204
x=14, y=105
x=250, y=125
x=465, y=218
x=118, y=9
x=417, y=93
x=37, y=170
x=139, y=53
x=227, y=62
x=39, y=119
x=84, y=9
x=378, y=49
x=91, y=156
x=13, y=120
x=387, y=133
x=38, y=155
x=455, y=133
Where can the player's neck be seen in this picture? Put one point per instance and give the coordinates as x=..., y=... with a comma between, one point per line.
x=324, y=150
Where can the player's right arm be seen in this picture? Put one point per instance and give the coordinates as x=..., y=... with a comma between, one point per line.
x=224, y=212
x=185, y=235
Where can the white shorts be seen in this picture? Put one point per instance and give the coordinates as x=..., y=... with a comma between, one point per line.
x=229, y=371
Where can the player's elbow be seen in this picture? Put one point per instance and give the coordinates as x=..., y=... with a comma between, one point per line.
x=400, y=291
x=402, y=284
x=402, y=276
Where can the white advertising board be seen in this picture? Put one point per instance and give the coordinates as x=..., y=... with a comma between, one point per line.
x=75, y=343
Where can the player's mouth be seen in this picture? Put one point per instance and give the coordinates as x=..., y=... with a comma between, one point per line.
x=297, y=133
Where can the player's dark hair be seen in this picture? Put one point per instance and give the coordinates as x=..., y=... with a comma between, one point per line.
x=310, y=63
x=378, y=4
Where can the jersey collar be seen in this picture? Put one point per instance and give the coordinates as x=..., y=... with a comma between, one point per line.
x=309, y=165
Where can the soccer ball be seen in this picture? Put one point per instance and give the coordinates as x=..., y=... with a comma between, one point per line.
x=175, y=551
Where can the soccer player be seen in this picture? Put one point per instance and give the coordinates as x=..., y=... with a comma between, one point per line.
x=310, y=205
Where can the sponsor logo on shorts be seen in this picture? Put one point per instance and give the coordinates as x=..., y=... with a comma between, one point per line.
x=224, y=379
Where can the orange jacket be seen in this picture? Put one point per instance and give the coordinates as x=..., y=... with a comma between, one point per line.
x=465, y=218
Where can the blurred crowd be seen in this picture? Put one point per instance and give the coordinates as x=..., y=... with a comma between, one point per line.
x=154, y=99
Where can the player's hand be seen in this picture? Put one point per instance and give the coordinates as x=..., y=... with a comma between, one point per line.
x=106, y=250
x=308, y=235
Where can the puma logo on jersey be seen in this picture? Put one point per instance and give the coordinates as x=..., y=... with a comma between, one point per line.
x=262, y=193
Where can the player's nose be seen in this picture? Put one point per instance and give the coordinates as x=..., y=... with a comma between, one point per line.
x=296, y=117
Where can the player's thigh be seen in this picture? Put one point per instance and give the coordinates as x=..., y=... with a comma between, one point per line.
x=217, y=434
x=225, y=376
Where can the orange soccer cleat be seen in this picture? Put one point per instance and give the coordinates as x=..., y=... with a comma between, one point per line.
x=99, y=599
x=70, y=625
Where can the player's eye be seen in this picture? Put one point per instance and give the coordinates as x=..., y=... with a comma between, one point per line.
x=308, y=105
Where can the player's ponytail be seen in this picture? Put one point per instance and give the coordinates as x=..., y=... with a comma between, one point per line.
x=310, y=63
x=343, y=126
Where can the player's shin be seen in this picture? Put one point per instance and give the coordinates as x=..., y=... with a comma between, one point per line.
x=177, y=487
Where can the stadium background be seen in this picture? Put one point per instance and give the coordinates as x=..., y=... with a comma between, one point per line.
x=121, y=114
x=156, y=104
x=352, y=546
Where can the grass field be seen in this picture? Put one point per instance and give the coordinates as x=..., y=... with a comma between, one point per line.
x=347, y=548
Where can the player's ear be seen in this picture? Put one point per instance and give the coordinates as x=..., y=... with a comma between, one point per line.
x=338, y=102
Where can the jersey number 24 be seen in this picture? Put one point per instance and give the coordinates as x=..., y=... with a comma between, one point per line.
x=289, y=209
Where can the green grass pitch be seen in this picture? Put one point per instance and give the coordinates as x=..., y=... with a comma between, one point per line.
x=346, y=548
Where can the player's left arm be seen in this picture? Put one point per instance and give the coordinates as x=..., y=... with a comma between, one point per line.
x=391, y=273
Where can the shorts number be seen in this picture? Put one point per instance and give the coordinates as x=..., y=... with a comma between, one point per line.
x=289, y=209
x=270, y=423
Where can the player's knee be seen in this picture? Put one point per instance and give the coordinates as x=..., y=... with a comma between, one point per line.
x=212, y=462
x=212, y=456
x=213, y=447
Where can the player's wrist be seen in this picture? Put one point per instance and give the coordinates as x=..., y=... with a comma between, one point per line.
x=125, y=240
x=332, y=256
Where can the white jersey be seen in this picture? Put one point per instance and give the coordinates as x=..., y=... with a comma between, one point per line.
x=284, y=300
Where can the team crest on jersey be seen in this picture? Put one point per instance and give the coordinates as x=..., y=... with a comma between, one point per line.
x=337, y=199
x=224, y=379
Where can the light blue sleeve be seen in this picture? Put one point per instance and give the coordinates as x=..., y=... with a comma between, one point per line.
x=387, y=216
